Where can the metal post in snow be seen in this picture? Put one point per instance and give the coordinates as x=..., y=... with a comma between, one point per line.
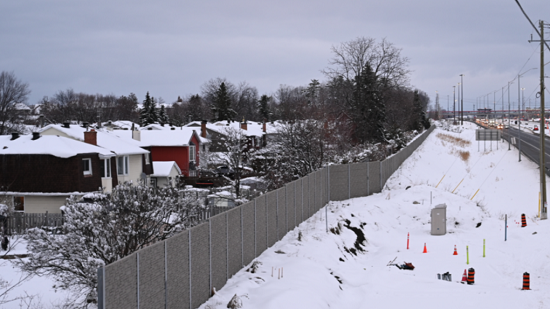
x=505, y=227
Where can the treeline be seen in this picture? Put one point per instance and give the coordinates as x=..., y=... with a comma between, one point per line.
x=366, y=89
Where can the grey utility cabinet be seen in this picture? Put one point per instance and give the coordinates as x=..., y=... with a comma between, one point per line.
x=439, y=220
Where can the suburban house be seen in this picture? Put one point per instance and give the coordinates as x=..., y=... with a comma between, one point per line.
x=40, y=172
x=256, y=132
x=182, y=145
x=130, y=162
x=166, y=174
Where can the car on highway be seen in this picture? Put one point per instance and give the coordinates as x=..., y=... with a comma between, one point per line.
x=500, y=126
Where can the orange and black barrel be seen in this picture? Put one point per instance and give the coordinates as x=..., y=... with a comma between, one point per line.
x=471, y=274
x=523, y=221
x=525, y=281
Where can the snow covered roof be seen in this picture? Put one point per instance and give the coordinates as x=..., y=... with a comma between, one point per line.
x=156, y=126
x=22, y=106
x=163, y=168
x=105, y=139
x=167, y=138
x=120, y=124
x=253, y=128
x=54, y=145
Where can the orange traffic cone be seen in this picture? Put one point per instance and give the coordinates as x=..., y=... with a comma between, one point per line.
x=425, y=250
x=464, y=278
x=455, y=253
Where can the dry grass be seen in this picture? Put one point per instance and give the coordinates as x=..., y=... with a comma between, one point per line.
x=454, y=140
x=464, y=155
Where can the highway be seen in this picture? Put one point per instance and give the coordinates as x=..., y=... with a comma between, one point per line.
x=530, y=145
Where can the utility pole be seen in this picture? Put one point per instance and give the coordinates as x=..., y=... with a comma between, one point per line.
x=461, y=99
x=543, y=207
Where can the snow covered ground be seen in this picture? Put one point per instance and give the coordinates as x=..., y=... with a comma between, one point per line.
x=318, y=272
x=35, y=291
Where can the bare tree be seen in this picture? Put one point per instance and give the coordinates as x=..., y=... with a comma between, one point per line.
x=351, y=58
x=233, y=145
x=12, y=91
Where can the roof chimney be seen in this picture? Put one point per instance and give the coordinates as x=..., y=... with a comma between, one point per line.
x=244, y=125
x=35, y=135
x=14, y=135
x=203, y=128
x=90, y=137
x=66, y=125
x=136, y=134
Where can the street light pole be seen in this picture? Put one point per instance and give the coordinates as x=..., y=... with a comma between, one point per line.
x=519, y=119
x=461, y=99
x=509, y=115
x=454, y=105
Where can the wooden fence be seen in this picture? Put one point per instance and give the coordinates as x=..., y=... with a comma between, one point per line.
x=18, y=222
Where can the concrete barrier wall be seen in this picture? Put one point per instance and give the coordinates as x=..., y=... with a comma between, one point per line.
x=358, y=180
x=271, y=199
x=261, y=225
x=234, y=241
x=218, y=249
x=182, y=271
x=200, y=264
x=339, y=182
x=299, y=198
x=121, y=283
x=290, y=207
x=281, y=213
x=249, y=225
x=177, y=269
x=151, y=276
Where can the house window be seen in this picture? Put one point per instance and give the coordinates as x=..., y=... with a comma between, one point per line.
x=122, y=165
x=19, y=203
x=147, y=160
x=192, y=153
x=105, y=168
x=87, y=166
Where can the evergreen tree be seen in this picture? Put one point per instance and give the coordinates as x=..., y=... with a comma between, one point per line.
x=420, y=121
x=368, y=108
x=163, y=117
x=153, y=111
x=195, y=108
x=222, y=105
x=263, y=106
x=148, y=112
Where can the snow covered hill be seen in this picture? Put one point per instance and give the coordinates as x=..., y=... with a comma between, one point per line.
x=311, y=268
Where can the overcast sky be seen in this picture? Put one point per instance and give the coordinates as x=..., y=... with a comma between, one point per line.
x=171, y=48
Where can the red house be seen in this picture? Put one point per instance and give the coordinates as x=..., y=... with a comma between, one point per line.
x=181, y=145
